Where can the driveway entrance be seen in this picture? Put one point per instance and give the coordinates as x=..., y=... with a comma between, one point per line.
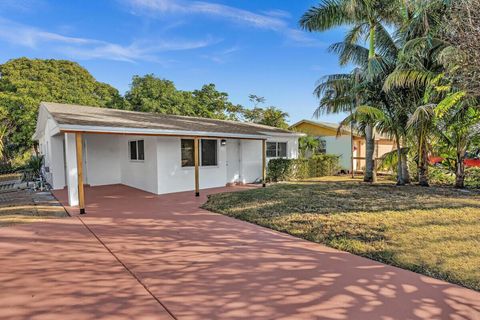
x=137, y=255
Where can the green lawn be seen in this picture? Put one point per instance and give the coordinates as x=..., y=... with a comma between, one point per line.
x=434, y=231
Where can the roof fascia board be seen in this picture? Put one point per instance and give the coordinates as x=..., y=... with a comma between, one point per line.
x=142, y=131
x=280, y=134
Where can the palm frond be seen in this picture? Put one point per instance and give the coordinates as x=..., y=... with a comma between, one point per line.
x=350, y=53
x=326, y=15
x=408, y=79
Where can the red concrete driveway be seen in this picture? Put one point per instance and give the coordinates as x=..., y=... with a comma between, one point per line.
x=145, y=256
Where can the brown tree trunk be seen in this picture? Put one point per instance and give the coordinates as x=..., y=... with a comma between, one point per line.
x=400, y=180
x=423, y=168
x=460, y=170
x=369, y=151
x=405, y=170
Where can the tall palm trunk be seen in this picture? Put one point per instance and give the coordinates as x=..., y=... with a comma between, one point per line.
x=369, y=151
x=404, y=161
x=405, y=170
x=423, y=167
x=460, y=170
x=400, y=179
x=369, y=175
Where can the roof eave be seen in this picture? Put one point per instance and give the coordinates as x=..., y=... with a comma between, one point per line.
x=158, y=132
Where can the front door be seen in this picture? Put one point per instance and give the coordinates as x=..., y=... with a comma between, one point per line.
x=233, y=161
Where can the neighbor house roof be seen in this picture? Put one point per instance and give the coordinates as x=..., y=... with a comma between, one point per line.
x=327, y=125
x=70, y=117
x=334, y=127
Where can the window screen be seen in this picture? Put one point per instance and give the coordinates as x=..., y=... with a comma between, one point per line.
x=282, y=150
x=133, y=150
x=140, y=150
x=137, y=150
x=209, y=152
x=188, y=159
x=276, y=149
x=271, y=149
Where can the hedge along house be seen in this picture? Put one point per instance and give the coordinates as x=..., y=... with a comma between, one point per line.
x=344, y=144
x=157, y=153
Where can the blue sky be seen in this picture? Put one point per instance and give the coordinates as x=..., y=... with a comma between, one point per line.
x=242, y=46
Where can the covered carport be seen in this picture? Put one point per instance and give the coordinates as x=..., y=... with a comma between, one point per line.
x=157, y=153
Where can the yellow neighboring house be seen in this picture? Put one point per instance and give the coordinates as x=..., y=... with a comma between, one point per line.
x=341, y=145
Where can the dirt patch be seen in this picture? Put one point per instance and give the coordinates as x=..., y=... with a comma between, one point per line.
x=23, y=206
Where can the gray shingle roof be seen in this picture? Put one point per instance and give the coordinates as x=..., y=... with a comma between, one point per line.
x=77, y=115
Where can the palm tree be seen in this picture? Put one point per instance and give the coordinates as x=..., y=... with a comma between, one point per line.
x=366, y=18
x=418, y=72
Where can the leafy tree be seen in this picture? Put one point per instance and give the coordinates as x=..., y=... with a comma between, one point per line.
x=152, y=94
x=461, y=29
x=24, y=83
x=270, y=116
x=210, y=103
x=256, y=100
x=307, y=145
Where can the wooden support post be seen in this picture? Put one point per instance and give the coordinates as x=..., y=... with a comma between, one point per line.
x=81, y=194
x=196, y=152
x=264, y=163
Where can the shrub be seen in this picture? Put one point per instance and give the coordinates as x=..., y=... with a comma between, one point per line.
x=440, y=175
x=33, y=168
x=294, y=169
x=472, y=177
x=444, y=176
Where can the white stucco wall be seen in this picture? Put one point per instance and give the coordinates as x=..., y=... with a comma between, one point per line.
x=139, y=174
x=57, y=162
x=340, y=146
x=51, y=147
x=251, y=161
x=71, y=168
x=103, y=159
x=233, y=160
x=172, y=177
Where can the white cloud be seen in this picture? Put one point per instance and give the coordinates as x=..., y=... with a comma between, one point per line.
x=86, y=48
x=274, y=20
x=221, y=56
x=20, y=5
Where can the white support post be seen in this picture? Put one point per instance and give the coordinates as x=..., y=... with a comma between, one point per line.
x=71, y=166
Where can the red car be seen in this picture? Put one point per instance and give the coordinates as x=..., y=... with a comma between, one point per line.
x=471, y=160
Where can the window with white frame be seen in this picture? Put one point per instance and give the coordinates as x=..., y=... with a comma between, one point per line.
x=136, y=150
x=208, y=152
x=276, y=149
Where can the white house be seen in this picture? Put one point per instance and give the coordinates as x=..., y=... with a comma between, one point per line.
x=153, y=152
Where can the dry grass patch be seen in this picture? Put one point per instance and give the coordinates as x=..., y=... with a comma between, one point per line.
x=23, y=206
x=434, y=231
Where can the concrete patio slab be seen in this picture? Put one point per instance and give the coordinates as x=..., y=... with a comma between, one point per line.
x=200, y=265
x=58, y=270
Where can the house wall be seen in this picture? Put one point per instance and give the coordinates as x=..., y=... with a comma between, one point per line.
x=57, y=163
x=102, y=159
x=384, y=147
x=51, y=147
x=139, y=174
x=340, y=146
x=172, y=177
x=233, y=161
x=250, y=161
